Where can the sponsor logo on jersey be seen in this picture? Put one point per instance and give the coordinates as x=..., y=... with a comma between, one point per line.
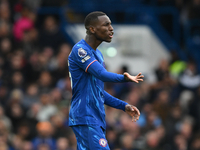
x=85, y=59
x=81, y=52
x=103, y=142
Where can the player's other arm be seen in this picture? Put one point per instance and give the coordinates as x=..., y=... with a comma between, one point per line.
x=101, y=73
x=119, y=104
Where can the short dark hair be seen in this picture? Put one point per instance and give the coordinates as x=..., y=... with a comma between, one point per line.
x=92, y=17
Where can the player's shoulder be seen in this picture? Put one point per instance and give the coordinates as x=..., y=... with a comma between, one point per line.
x=81, y=45
x=81, y=49
x=99, y=52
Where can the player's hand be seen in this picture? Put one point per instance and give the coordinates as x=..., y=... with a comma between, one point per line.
x=133, y=112
x=136, y=79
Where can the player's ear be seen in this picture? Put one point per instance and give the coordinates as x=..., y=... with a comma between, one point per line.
x=92, y=29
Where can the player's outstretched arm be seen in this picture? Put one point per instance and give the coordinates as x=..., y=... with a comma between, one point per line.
x=133, y=112
x=131, y=78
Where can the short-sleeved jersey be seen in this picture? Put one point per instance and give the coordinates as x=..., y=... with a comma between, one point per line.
x=87, y=104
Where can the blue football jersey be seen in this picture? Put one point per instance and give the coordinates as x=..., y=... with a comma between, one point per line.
x=88, y=74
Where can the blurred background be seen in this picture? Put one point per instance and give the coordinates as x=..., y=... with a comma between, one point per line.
x=160, y=38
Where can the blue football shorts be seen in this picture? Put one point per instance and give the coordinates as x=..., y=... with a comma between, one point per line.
x=90, y=137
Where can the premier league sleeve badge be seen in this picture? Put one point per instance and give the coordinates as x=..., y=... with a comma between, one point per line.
x=82, y=53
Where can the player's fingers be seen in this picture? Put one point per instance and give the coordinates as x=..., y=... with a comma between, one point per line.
x=133, y=119
x=139, y=74
x=139, y=79
x=132, y=109
x=137, y=111
x=138, y=117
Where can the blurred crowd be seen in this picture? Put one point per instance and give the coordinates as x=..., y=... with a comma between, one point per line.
x=35, y=91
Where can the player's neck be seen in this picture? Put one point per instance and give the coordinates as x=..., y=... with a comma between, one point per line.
x=93, y=42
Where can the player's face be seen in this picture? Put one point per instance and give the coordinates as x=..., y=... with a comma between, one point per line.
x=104, y=29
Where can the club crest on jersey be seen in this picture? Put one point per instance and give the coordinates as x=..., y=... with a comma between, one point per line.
x=103, y=142
x=81, y=52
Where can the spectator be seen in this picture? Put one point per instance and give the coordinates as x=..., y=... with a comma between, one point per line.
x=194, y=9
x=5, y=30
x=5, y=48
x=149, y=119
x=173, y=121
x=47, y=108
x=161, y=105
x=195, y=143
x=33, y=111
x=34, y=5
x=27, y=145
x=43, y=147
x=56, y=95
x=3, y=95
x=4, y=12
x=152, y=140
x=190, y=78
x=64, y=85
x=126, y=142
x=29, y=42
x=60, y=130
x=4, y=146
x=31, y=96
x=16, y=64
x=50, y=35
x=59, y=65
x=63, y=144
x=25, y=130
x=60, y=70
x=112, y=137
x=45, y=82
x=194, y=107
x=5, y=119
x=44, y=140
x=180, y=142
x=4, y=136
x=33, y=68
x=17, y=81
x=14, y=110
x=26, y=22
